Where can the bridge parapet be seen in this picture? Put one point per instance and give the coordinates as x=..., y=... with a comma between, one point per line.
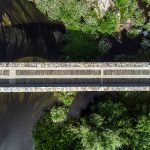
x=74, y=76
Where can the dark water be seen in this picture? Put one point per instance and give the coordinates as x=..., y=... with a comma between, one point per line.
x=20, y=111
x=29, y=35
x=26, y=32
x=18, y=114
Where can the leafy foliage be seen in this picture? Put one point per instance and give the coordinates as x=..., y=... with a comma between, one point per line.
x=145, y=44
x=80, y=46
x=78, y=15
x=49, y=135
x=129, y=9
x=108, y=127
x=142, y=133
x=66, y=97
x=58, y=114
x=104, y=46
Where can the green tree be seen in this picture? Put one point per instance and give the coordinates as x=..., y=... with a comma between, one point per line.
x=108, y=126
x=66, y=97
x=141, y=139
x=49, y=135
x=80, y=46
x=58, y=114
x=78, y=15
x=104, y=46
x=92, y=132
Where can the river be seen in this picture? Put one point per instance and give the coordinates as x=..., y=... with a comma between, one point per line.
x=18, y=114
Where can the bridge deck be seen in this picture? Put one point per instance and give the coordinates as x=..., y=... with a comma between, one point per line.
x=42, y=77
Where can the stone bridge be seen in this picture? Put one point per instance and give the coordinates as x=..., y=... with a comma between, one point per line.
x=92, y=76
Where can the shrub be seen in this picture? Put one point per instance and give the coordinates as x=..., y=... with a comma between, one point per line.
x=58, y=114
x=78, y=15
x=145, y=44
x=142, y=133
x=133, y=33
x=108, y=126
x=49, y=135
x=66, y=97
x=104, y=46
x=80, y=46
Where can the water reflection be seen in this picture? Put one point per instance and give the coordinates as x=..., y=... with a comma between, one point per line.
x=25, y=31
x=18, y=113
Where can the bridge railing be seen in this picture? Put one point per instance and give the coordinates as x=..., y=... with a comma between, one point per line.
x=75, y=76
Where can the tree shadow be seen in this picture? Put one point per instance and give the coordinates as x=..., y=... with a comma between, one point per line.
x=26, y=32
x=79, y=46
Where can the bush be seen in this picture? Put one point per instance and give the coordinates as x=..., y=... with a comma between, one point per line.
x=145, y=44
x=104, y=46
x=58, y=114
x=78, y=15
x=102, y=129
x=66, y=97
x=80, y=46
x=133, y=33
x=108, y=126
x=142, y=133
x=49, y=135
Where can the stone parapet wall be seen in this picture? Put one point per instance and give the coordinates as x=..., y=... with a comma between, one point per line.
x=64, y=89
x=74, y=76
x=77, y=64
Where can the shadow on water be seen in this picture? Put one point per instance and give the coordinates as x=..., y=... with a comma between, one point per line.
x=18, y=114
x=31, y=34
x=25, y=31
x=36, y=39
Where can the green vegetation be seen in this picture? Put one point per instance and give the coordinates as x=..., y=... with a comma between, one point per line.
x=109, y=125
x=83, y=15
x=58, y=114
x=104, y=45
x=119, y=123
x=145, y=44
x=87, y=25
x=77, y=15
x=147, y=1
x=80, y=46
x=65, y=97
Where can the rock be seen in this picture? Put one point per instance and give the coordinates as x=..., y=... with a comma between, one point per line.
x=100, y=6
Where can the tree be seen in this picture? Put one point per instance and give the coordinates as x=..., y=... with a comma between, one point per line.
x=141, y=138
x=49, y=135
x=80, y=46
x=66, y=97
x=106, y=128
x=78, y=15
x=104, y=46
x=58, y=114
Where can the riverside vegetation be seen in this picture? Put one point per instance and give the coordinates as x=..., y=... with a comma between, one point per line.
x=86, y=21
x=121, y=33
x=111, y=123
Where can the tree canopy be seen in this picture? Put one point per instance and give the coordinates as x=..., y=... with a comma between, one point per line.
x=108, y=126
